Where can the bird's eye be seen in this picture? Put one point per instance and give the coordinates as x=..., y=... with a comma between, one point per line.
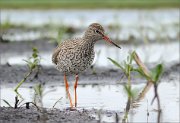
x=97, y=31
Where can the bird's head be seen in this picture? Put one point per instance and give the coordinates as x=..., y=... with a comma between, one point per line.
x=96, y=32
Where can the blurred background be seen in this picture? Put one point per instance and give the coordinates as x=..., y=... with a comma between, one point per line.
x=150, y=27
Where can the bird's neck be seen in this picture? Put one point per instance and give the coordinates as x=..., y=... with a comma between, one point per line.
x=88, y=42
x=89, y=37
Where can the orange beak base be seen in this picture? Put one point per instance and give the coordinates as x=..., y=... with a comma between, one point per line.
x=108, y=40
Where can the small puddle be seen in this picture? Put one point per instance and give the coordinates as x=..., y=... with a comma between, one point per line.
x=105, y=97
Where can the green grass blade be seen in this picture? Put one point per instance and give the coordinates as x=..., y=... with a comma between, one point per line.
x=116, y=64
x=128, y=90
x=157, y=72
x=7, y=103
x=140, y=71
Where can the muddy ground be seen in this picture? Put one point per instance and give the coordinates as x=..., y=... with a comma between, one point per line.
x=14, y=74
x=32, y=115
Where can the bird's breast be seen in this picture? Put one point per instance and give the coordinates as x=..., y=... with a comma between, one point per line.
x=76, y=60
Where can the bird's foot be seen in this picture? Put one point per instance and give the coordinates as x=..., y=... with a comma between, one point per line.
x=71, y=108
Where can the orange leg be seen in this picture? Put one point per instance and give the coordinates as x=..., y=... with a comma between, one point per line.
x=75, y=86
x=67, y=90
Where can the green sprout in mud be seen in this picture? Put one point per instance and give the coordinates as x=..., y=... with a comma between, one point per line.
x=127, y=68
x=156, y=74
x=32, y=63
x=38, y=89
x=16, y=103
x=152, y=77
x=40, y=92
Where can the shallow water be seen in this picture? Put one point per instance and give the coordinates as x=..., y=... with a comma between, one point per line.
x=106, y=97
x=151, y=53
x=106, y=16
x=126, y=23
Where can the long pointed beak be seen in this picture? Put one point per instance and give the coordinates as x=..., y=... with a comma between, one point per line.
x=108, y=40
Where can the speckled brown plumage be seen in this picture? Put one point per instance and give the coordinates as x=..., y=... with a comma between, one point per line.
x=75, y=55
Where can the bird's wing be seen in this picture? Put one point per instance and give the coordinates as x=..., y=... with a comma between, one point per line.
x=69, y=45
x=54, y=55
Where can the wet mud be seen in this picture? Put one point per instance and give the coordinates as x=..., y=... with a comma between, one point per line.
x=32, y=115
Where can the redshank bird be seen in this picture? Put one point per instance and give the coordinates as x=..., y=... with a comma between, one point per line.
x=75, y=55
